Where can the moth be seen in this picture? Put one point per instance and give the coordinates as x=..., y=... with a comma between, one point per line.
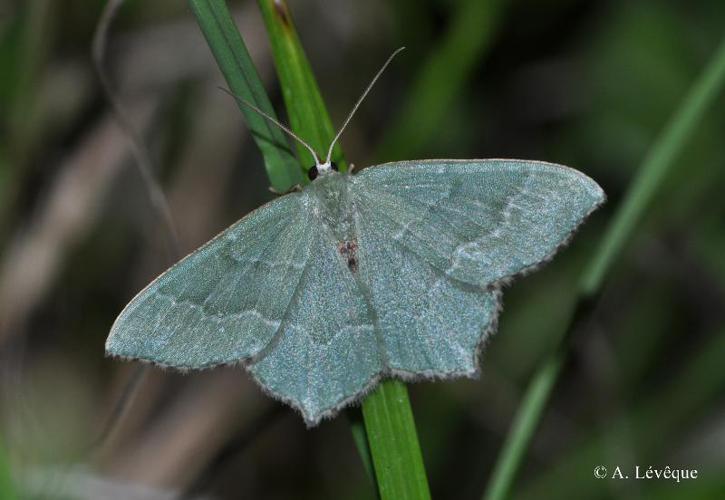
x=395, y=271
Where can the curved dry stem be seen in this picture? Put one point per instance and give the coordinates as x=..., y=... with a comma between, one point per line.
x=141, y=156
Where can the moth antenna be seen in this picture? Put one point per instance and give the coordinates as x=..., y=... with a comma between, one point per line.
x=276, y=122
x=360, y=100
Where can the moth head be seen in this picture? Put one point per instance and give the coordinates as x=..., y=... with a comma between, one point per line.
x=321, y=169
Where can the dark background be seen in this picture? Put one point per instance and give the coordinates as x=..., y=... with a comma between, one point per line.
x=586, y=84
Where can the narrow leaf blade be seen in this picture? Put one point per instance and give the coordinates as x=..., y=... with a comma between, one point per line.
x=241, y=75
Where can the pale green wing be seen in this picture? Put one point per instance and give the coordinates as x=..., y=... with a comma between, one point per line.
x=224, y=302
x=430, y=325
x=436, y=237
x=271, y=290
x=327, y=352
x=478, y=221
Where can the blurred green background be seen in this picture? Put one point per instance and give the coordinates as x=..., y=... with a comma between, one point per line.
x=586, y=84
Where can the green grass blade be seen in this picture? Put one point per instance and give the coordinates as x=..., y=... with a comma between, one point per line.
x=24, y=45
x=241, y=75
x=442, y=78
x=525, y=424
x=307, y=113
x=399, y=469
x=7, y=490
x=360, y=437
x=393, y=441
x=676, y=406
x=31, y=47
x=655, y=168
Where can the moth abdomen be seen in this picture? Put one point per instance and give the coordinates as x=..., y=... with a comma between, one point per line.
x=348, y=250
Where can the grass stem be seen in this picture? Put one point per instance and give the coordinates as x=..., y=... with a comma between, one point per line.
x=243, y=79
x=656, y=167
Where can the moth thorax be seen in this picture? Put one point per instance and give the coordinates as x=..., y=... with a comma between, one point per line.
x=335, y=209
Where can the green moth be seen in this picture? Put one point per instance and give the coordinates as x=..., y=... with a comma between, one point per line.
x=392, y=272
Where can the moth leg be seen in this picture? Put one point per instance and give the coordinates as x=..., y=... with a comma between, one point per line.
x=295, y=188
